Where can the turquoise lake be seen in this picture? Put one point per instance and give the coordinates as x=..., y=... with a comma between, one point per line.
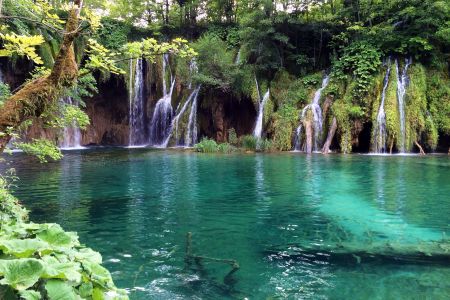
x=136, y=206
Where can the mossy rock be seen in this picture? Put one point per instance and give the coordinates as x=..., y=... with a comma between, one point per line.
x=391, y=109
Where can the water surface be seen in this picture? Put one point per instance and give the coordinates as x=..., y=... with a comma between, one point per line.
x=135, y=206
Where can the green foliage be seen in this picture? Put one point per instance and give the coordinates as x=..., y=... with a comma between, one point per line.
x=249, y=142
x=285, y=121
x=215, y=63
x=42, y=149
x=74, y=116
x=21, y=45
x=361, y=60
x=5, y=92
x=225, y=148
x=42, y=261
x=264, y=145
x=341, y=109
x=232, y=137
x=416, y=108
x=438, y=96
x=206, y=146
x=86, y=87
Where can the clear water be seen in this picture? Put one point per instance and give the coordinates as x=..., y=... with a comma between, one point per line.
x=136, y=206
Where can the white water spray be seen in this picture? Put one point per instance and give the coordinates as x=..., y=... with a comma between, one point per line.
x=160, y=125
x=137, y=105
x=402, y=82
x=192, y=101
x=257, y=132
x=192, y=129
x=380, y=134
x=72, y=134
x=314, y=106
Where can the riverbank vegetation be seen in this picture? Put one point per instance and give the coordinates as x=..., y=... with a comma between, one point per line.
x=285, y=46
x=42, y=261
x=256, y=75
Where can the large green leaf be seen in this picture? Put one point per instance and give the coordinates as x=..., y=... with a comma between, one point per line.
x=30, y=295
x=99, y=274
x=21, y=274
x=22, y=248
x=67, y=270
x=60, y=290
x=56, y=236
x=89, y=255
x=85, y=290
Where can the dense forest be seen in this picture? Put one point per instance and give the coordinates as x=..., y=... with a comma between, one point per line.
x=347, y=76
x=385, y=65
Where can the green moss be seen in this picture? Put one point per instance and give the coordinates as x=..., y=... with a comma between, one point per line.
x=391, y=109
x=341, y=110
x=284, y=123
x=416, y=106
x=431, y=133
x=45, y=52
x=438, y=95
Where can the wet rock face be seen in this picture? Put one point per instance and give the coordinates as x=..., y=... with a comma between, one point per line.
x=219, y=112
x=108, y=112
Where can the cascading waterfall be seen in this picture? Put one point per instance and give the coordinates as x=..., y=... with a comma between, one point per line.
x=160, y=125
x=402, y=82
x=238, y=58
x=192, y=130
x=193, y=68
x=137, y=105
x=257, y=132
x=314, y=106
x=191, y=100
x=380, y=133
x=72, y=134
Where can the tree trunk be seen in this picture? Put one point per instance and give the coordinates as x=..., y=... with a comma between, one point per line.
x=420, y=148
x=331, y=133
x=35, y=97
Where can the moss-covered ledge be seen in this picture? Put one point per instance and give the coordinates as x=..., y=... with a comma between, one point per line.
x=42, y=261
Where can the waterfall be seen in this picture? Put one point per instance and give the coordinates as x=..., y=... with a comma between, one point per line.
x=238, y=58
x=191, y=100
x=72, y=134
x=192, y=130
x=314, y=106
x=380, y=134
x=402, y=81
x=137, y=104
x=162, y=116
x=193, y=69
x=298, y=138
x=257, y=132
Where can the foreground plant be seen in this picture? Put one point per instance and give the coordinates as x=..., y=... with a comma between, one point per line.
x=42, y=261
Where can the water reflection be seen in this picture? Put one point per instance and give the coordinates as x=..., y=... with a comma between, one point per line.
x=136, y=207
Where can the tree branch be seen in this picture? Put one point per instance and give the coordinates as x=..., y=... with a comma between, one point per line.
x=36, y=96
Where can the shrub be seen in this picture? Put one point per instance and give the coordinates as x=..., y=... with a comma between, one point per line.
x=225, y=148
x=232, y=137
x=249, y=142
x=206, y=146
x=264, y=145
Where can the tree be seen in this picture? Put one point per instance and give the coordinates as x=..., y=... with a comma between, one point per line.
x=39, y=96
